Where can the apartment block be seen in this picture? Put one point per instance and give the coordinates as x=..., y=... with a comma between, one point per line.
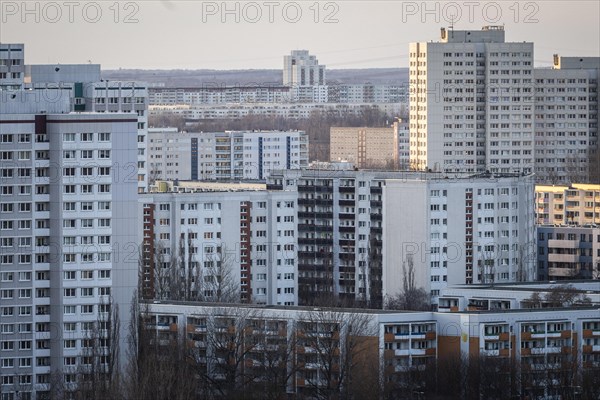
x=510, y=296
x=339, y=220
x=365, y=147
x=568, y=252
x=458, y=230
x=471, y=103
x=577, y=204
x=302, y=69
x=12, y=66
x=224, y=242
x=332, y=93
x=230, y=155
x=170, y=154
x=216, y=94
x=67, y=219
x=285, y=110
x=357, y=230
x=396, y=350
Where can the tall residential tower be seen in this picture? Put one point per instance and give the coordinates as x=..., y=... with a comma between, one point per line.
x=471, y=103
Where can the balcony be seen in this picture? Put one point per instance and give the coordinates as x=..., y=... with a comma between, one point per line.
x=315, y=228
x=345, y=215
x=589, y=333
x=567, y=258
x=347, y=202
x=315, y=214
x=563, y=244
x=347, y=189
x=562, y=272
x=196, y=328
x=316, y=241
x=321, y=202
x=491, y=352
x=315, y=189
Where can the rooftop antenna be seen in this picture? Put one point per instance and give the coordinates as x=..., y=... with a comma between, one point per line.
x=451, y=27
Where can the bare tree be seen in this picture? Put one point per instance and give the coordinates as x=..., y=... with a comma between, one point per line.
x=224, y=361
x=158, y=366
x=98, y=372
x=411, y=297
x=218, y=281
x=558, y=296
x=333, y=351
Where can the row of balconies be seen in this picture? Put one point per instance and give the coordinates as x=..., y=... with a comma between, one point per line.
x=389, y=337
x=546, y=350
x=566, y=334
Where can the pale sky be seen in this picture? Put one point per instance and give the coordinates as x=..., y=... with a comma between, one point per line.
x=205, y=34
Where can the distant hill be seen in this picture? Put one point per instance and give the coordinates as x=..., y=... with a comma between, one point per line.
x=203, y=77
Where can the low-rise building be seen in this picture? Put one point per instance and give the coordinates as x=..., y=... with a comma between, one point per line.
x=325, y=350
x=514, y=296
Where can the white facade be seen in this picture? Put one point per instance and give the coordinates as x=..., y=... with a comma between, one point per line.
x=170, y=154
x=471, y=103
x=67, y=224
x=457, y=231
x=251, y=232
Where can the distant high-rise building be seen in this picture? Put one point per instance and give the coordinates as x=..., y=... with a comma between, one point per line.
x=302, y=69
x=471, y=103
x=566, y=121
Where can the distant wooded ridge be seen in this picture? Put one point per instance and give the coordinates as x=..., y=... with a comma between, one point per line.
x=272, y=77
